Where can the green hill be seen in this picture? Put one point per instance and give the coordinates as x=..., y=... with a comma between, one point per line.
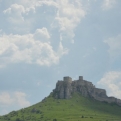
x=78, y=108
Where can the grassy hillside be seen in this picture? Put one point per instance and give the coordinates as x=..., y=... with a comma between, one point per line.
x=77, y=108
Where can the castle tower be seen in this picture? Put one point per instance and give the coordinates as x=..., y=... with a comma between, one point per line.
x=67, y=79
x=67, y=87
x=80, y=77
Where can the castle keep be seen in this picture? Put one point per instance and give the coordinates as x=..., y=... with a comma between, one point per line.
x=66, y=87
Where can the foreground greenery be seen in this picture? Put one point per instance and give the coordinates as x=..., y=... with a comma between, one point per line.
x=77, y=108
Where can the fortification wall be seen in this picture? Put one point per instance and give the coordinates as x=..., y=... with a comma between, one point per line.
x=65, y=88
x=84, y=83
x=118, y=102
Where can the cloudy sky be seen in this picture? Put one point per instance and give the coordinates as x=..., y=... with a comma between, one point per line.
x=41, y=41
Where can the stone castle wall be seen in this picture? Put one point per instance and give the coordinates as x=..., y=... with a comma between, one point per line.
x=65, y=88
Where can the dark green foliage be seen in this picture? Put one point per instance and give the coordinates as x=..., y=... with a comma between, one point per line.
x=18, y=119
x=77, y=108
x=54, y=119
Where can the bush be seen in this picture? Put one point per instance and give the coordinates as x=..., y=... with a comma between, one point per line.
x=18, y=119
x=54, y=119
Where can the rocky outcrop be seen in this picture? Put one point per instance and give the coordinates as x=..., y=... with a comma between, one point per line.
x=66, y=87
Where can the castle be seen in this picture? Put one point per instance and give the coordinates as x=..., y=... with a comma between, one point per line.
x=66, y=87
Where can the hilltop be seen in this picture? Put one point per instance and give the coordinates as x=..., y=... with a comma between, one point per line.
x=66, y=87
x=68, y=102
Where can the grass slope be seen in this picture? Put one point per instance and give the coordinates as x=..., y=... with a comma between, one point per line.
x=78, y=108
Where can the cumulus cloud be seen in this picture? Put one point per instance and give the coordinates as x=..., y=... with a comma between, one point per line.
x=16, y=98
x=42, y=34
x=20, y=98
x=108, y=4
x=68, y=16
x=15, y=12
x=30, y=48
x=5, y=99
x=18, y=11
x=114, y=44
x=36, y=47
x=34, y=3
x=111, y=81
x=17, y=17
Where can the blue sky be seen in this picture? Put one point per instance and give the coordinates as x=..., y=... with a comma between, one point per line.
x=41, y=41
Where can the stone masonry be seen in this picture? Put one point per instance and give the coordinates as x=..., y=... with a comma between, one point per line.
x=66, y=87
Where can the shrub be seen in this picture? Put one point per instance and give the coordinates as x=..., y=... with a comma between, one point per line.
x=18, y=119
x=54, y=119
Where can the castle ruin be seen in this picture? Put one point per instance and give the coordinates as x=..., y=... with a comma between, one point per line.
x=66, y=87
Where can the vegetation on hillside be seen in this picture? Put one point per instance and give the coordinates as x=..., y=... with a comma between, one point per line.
x=78, y=108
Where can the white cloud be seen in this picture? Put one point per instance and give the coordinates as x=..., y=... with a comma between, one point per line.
x=20, y=9
x=5, y=99
x=114, y=46
x=21, y=99
x=42, y=34
x=15, y=98
x=112, y=83
x=36, y=3
x=36, y=47
x=68, y=17
x=15, y=12
x=108, y=4
x=30, y=48
x=12, y=100
x=19, y=17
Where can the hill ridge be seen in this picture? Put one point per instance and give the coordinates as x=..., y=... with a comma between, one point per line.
x=75, y=106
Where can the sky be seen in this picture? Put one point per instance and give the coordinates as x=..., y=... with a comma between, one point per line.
x=41, y=41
